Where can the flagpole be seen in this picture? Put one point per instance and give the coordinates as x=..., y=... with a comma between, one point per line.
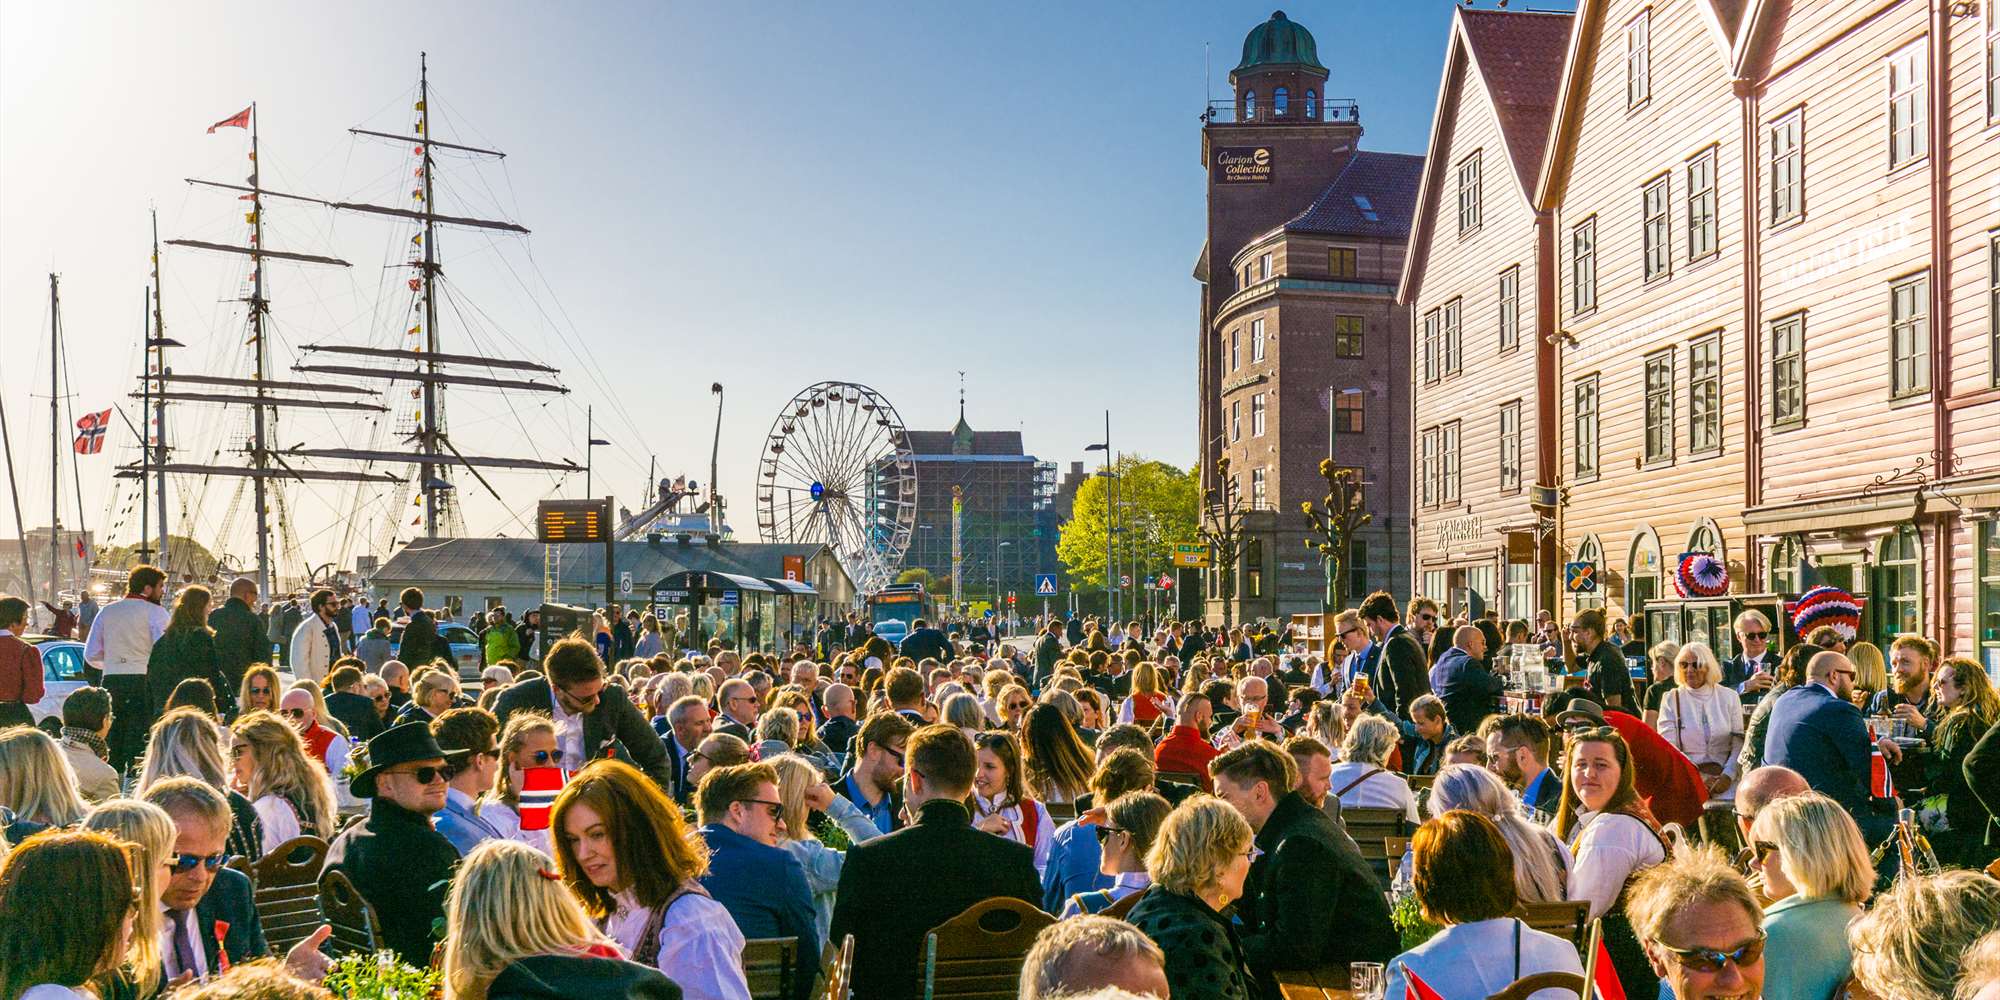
x=55, y=439
x=145, y=406
x=258, y=456
x=14, y=490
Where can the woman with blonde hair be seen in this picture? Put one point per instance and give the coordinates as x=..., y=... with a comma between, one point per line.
x=1910, y=942
x=289, y=789
x=186, y=649
x=1149, y=699
x=259, y=692
x=1198, y=863
x=1056, y=764
x=962, y=710
x=651, y=643
x=1541, y=862
x=1703, y=719
x=1661, y=661
x=37, y=783
x=1362, y=779
x=528, y=741
x=623, y=848
x=511, y=930
x=803, y=790
x=432, y=695
x=185, y=742
x=1327, y=723
x=1817, y=874
x=1871, y=671
x=150, y=832
x=1012, y=706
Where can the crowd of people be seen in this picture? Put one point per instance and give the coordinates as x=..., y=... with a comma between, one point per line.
x=614, y=812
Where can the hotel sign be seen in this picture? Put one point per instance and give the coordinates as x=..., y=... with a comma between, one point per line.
x=1241, y=165
x=1458, y=530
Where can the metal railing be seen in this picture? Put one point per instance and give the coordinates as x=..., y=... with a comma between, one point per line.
x=1233, y=111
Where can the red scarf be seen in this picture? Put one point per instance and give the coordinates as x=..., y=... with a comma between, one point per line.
x=318, y=738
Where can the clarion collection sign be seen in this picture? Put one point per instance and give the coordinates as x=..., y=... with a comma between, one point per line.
x=1242, y=165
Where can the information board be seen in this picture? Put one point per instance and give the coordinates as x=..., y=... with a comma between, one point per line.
x=563, y=521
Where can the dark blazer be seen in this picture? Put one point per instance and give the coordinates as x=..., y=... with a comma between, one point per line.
x=1735, y=671
x=1310, y=900
x=955, y=864
x=230, y=898
x=614, y=729
x=1982, y=778
x=1824, y=739
x=764, y=889
x=420, y=644
x=179, y=655
x=239, y=641
x=357, y=713
x=560, y=977
x=1469, y=690
x=838, y=733
x=1402, y=671
x=926, y=641
x=400, y=866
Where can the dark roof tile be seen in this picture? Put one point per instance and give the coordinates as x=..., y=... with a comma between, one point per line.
x=1374, y=195
x=1520, y=55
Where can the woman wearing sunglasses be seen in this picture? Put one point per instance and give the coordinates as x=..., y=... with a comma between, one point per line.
x=529, y=740
x=51, y=952
x=1817, y=875
x=1613, y=837
x=290, y=790
x=149, y=833
x=1125, y=833
x=185, y=743
x=259, y=692
x=624, y=849
x=1000, y=802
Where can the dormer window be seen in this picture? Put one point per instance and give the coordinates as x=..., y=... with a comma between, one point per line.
x=1281, y=101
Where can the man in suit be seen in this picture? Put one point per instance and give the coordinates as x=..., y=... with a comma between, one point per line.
x=239, y=636
x=761, y=884
x=398, y=863
x=924, y=641
x=840, y=726
x=202, y=897
x=736, y=702
x=688, y=723
x=1396, y=664
x=1310, y=900
x=1470, y=690
x=955, y=865
x=1816, y=731
x=419, y=644
x=1754, y=667
x=345, y=702
x=1048, y=651
x=593, y=719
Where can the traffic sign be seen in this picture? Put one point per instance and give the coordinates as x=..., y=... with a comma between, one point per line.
x=625, y=583
x=1166, y=581
x=1045, y=585
x=1012, y=599
x=1192, y=555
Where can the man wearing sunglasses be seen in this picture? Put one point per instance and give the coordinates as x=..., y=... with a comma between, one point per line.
x=1753, y=669
x=594, y=719
x=1700, y=926
x=395, y=859
x=762, y=885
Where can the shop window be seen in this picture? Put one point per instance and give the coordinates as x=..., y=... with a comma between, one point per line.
x=1988, y=606
x=1897, y=600
x=1642, y=571
x=1520, y=602
x=1786, y=553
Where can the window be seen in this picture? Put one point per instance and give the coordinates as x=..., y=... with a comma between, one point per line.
x=1257, y=488
x=1312, y=105
x=1583, y=413
x=1909, y=336
x=1510, y=308
x=1256, y=340
x=1638, y=59
x=1264, y=267
x=1642, y=571
x=1898, y=576
x=1281, y=101
x=1993, y=70
x=1249, y=105
x=1705, y=394
x=1788, y=370
x=1236, y=420
x=1341, y=262
x=1448, y=339
x=1583, y=266
x=1448, y=463
x=1657, y=234
x=1706, y=537
x=1427, y=466
x=1701, y=205
x=1347, y=413
x=1366, y=208
x=1660, y=406
x=1468, y=193
x=1235, y=349
x=1993, y=299
x=1520, y=599
x=1347, y=332
x=1788, y=166
x=1357, y=567
x=1987, y=604
x=1906, y=104
x=1253, y=568
x=1510, y=447
x=1786, y=553
x=1257, y=415
x=1430, y=346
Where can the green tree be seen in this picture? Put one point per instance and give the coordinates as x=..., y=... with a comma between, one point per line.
x=184, y=555
x=916, y=574
x=1155, y=507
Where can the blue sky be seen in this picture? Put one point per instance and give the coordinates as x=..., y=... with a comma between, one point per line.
x=764, y=195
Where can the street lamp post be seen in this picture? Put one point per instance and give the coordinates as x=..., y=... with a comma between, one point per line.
x=1110, y=560
x=591, y=444
x=1340, y=513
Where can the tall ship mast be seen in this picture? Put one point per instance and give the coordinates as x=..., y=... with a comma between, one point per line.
x=265, y=397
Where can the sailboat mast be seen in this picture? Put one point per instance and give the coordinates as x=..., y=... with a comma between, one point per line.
x=145, y=405
x=428, y=440
x=159, y=352
x=14, y=491
x=259, y=452
x=55, y=440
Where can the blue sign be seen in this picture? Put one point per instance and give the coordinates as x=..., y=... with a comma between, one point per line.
x=731, y=596
x=1045, y=585
x=818, y=489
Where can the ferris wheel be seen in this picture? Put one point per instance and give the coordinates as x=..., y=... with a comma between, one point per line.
x=837, y=470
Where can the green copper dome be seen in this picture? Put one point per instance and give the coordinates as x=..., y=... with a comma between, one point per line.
x=1279, y=42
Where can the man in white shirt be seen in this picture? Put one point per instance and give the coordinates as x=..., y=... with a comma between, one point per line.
x=362, y=617
x=121, y=641
x=316, y=642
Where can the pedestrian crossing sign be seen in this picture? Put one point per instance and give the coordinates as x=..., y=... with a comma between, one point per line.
x=1045, y=585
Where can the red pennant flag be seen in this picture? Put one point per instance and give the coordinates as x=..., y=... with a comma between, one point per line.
x=90, y=431
x=1416, y=988
x=80, y=553
x=222, y=952
x=1608, y=986
x=240, y=119
x=1880, y=784
x=416, y=283
x=539, y=786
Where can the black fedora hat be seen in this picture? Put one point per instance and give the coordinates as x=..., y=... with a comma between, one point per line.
x=411, y=741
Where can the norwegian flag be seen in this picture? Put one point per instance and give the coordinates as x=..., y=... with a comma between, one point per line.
x=1603, y=975
x=1415, y=988
x=539, y=786
x=90, y=431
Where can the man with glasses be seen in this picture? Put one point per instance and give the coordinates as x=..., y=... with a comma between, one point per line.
x=1816, y=730
x=1518, y=751
x=593, y=719
x=874, y=779
x=398, y=863
x=762, y=885
x=1701, y=927
x=202, y=894
x=1423, y=620
x=1753, y=669
x=316, y=642
x=1396, y=663
x=737, y=701
x=239, y=636
x=322, y=744
x=472, y=759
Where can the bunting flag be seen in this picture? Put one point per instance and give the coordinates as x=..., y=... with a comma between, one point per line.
x=1416, y=988
x=417, y=240
x=1606, y=976
x=80, y=553
x=240, y=119
x=90, y=431
x=250, y=217
x=420, y=105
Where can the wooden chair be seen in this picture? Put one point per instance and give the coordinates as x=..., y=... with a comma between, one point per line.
x=1371, y=828
x=1567, y=920
x=1060, y=812
x=839, y=975
x=1118, y=910
x=1420, y=782
x=978, y=954
x=1393, y=849
x=287, y=891
x=770, y=966
x=356, y=929
x=1527, y=986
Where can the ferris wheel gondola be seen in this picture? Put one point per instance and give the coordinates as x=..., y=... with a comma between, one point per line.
x=837, y=470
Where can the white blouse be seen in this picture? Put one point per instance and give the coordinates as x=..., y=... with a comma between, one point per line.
x=1383, y=790
x=1707, y=725
x=280, y=823
x=700, y=948
x=507, y=820
x=1045, y=828
x=1608, y=847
